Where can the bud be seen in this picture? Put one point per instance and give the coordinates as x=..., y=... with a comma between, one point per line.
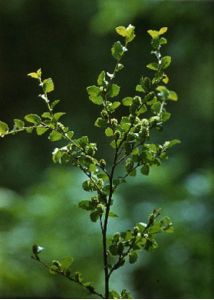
x=114, y=122
x=117, y=134
x=104, y=114
x=102, y=163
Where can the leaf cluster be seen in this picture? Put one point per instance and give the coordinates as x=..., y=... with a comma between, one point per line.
x=129, y=137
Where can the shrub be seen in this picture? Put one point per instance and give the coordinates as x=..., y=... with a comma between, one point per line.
x=129, y=136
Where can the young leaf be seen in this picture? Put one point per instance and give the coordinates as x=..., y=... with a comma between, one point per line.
x=78, y=277
x=85, y=204
x=66, y=263
x=33, y=118
x=101, y=78
x=115, y=105
x=41, y=130
x=113, y=90
x=145, y=170
x=109, y=132
x=127, y=101
x=127, y=32
x=172, y=96
x=54, y=103
x=165, y=62
x=125, y=294
x=152, y=66
x=94, y=94
x=33, y=75
x=55, y=136
x=114, y=295
x=58, y=115
x=46, y=115
x=18, y=124
x=139, y=88
x=163, y=30
x=94, y=216
x=153, y=33
x=133, y=257
x=112, y=214
x=170, y=144
x=48, y=85
x=117, y=50
x=4, y=129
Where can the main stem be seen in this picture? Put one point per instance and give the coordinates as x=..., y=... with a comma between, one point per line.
x=105, y=226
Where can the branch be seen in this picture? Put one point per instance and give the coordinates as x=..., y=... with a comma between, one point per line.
x=90, y=289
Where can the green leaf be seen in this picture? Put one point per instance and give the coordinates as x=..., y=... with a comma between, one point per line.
x=87, y=186
x=115, y=105
x=109, y=132
x=70, y=134
x=32, y=118
x=94, y=216
x=89, y=287
x=78, y=277
x=113, y=249
x=133, y=257
x=170, y=144
x=156, y=107
x=101, y=78
x=41, y=130
x=55, y=136
x=66, y=263
x=152, y=66
x=119, y=67
x=165, y=116
x=165, y=79
x=164, y=92
x=125, y=294
x=165, y=62
x=46, y=115
x=18, y=124
x=112, y=214
x=166, y=225
x=163, y=30
x=29, y=129
x=94, y=94
x=127, y=101
x=114, y=90
x=121, y=30
x=117, y=50
x=114, y=295
x=173, y=96
x=92, y=168
x=129, y=165
x=33, y=75
x=100, y=122
x=141, y=226
x=145, y=169
x=153, y=33
x=163, y=41
x=127, y=32
x=58, y=115
x=83, y=141
x=48, y=85
x=139, y=88
x=55, y=267
x=85, y=204
x=142, y=110
x=54, y=103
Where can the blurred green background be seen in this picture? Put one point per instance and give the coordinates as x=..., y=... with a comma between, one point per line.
x=71, y=41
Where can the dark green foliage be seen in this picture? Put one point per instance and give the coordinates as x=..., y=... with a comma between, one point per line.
x=129, y=136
